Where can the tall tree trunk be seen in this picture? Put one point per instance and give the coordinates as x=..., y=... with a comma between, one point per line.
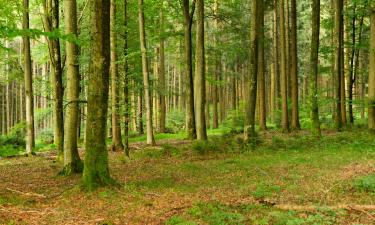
x=126, y=80
x=217, y=57
x=96, y=171
x=72, y=162
x=146, y=78
x=116, y=129
x=338, y=41
x=283, y=71
x=314, y=60
x=251, y=83
x=190, y=109
x=371, y=78
x=162, y=106
x=261, y=71
x=200, y=80
x=51, y=22
x=30, y=130
x=294, y=67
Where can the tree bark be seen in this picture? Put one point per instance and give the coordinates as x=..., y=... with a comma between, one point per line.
x=200, y=80
x=116, y=129
x=338, y=41
x=126, y=81
x=72, y=162
x=261, y=71
x=190, y=109
x=30, y=129
x=146, y=78
x=161, y=100
x=294, y=67
x=283, y=71
x=371, y=78
x=96, y=171
x=251, y=82
x=314, y=60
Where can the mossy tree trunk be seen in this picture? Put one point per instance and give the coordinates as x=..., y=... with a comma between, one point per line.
x=371, y=78
x=96, y=171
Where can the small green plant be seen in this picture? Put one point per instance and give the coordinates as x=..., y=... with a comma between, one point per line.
x=366, y=183
x=177, y=220
x=265, y=190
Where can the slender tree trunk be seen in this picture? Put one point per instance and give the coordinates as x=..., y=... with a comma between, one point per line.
x=371, y=78
x=314, y=60
x=30, y=130
x=217, y=57
x=200, y=80
x=146, y=79
x=190, y=109
x=162, y=106
x=116, y=129
x=51, y=22
x=294, y=67
x=126, y=81
x=283, y=72
x=250, y=99
x=261, y=71
x=72, y=162
x=338, y=41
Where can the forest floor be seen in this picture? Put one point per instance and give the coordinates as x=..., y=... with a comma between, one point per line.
x=286, y=179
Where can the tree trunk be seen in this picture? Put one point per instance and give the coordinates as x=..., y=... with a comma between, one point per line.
x=338, y=41
x=126, y=80
x=162, y=106
x=30, y=130
x=72, y=162
x=146, y=79
x=217, y=58
x=116, y=129
x=294, y=67
x=283, y=71
x=200, y=80
x=371, y=78
x=96, y=171
x=261, y=71
x=190, y=109
x=314, y=60
x=251, y=82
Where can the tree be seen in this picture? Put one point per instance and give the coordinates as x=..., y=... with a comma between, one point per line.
x=314, y=59
x=338, y=41
x=261, y=72
x=200, y=79
x=161, y=102
x=283, y=71
x=190, y=109
x=116, y=129
x=217, y=57
x=146, y=78
x=371, y=83
x=72, y=162
x=251, y=83
x=30, y=140
x=51, y=21
x=126, y=80
x=294, y=67
x=96, y=171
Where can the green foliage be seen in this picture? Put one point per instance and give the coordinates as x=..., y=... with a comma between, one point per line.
x=176, y=121
x=366, y=184
x=215, y=213
x=265, y=190
x=14, y=142
x=177, y=220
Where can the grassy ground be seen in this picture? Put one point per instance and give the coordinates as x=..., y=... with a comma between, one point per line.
x=224, y=181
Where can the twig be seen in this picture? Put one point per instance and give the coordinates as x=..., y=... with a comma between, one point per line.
x=25, y=193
